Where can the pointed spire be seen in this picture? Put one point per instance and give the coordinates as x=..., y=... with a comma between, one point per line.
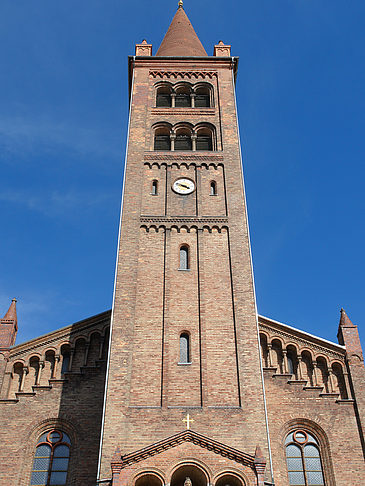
x=11, y=314
x=181, y=38
x=345, y=320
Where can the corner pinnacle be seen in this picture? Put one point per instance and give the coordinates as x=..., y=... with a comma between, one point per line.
x=345, y=320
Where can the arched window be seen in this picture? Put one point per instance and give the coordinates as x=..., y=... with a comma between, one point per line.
x=213, y=188
x=154, y=188
x=162, y=139
x=184, y=348
x=163, y=96
x=303, y=459
x=183, y=98
x=184, y=258
x=202, y=98
x=51, y=458
x=204, y=139
x=183, y=139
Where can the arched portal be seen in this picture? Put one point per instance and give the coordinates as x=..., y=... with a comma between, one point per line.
x=189, y=475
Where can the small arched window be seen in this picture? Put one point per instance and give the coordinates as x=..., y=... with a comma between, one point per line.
x=213, y=188
x=184, y=258
x=303, y=459
x=154, y=188
x=50, y=465
x=184, y=348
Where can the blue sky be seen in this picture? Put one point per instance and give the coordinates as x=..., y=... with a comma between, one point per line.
x=63, y=121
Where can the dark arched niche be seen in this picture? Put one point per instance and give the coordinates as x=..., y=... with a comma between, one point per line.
x=148, y=480
x=182, y=475
x=229, y=480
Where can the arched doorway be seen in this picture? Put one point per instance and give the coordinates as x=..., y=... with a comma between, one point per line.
x=189, y=475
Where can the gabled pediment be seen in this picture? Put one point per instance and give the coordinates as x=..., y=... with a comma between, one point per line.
x=180, y=438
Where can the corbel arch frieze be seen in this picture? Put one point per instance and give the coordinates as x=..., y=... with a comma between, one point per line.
x=185, y=164
x=156, y=224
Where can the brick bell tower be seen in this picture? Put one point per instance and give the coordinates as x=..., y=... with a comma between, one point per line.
x=184, y=399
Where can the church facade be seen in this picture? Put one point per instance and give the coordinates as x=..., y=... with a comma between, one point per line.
x=182, y=383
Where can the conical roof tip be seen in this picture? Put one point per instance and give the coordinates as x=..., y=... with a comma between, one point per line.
x=11, y=314
x=181, y=38
x=344, y=319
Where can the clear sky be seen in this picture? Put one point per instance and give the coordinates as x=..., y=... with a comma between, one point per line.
x=63, y=121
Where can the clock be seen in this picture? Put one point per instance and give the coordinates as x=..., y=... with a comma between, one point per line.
x=183, y=186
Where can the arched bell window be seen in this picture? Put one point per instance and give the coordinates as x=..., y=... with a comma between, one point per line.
x=183, y=98
x=184, y=348
x=184, y=258
x=51, y=458
x=162, y=138
x=163, y=96
x=303, y=459
x=183, y=139
x=204, y=140
x=202, y=97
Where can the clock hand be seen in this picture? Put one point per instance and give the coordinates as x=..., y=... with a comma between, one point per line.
x=183, y=185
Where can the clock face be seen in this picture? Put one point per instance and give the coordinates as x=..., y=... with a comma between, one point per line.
x=183, y=186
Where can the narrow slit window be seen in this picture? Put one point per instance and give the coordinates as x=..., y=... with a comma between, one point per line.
x=154, y=188
x=184, y=258
x=290, y=365
x=213, y=188
x=184, y=348
x=65, y=363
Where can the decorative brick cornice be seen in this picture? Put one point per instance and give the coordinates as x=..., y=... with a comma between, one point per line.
x=186, y=436
x=183, y=111
x=183, y=74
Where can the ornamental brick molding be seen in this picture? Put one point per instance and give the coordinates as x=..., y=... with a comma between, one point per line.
x=183, y=156
x=185, y=111
x=187, y=436
x=183, y=74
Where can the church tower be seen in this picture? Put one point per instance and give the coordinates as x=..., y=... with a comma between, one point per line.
x=184, y=376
